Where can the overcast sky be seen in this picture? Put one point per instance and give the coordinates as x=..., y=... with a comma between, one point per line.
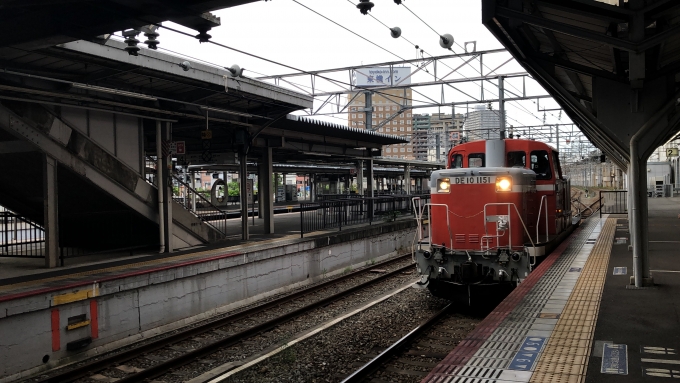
x=284, y=31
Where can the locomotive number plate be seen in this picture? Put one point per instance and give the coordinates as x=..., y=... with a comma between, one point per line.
x=473, y=180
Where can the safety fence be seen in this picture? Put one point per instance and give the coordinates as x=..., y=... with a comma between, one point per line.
x=613, y=202
x=20, y=237
x=339, y=213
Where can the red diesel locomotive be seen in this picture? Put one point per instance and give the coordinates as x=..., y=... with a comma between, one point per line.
x=496, y=210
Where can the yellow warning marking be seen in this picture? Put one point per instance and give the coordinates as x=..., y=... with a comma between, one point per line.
x=565, y=358
x=75, y=296
x=78, y=325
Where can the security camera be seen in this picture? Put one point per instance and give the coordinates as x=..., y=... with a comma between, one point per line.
x=185, y=65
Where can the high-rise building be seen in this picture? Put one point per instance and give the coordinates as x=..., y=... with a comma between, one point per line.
x=482, y=124
x=434, y=134
x=387, y=103
x=391, y=113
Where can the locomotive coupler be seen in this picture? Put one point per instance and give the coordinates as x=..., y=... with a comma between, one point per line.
x=503, y=258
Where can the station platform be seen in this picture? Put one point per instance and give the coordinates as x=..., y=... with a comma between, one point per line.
x=576, y=318
x=65, y=315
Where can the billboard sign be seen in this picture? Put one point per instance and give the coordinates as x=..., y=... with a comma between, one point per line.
x=384, y=76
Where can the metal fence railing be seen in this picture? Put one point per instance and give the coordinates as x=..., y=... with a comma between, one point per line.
x=613, y=202
x=208, y=213
x=20, y=237
x=332, y=214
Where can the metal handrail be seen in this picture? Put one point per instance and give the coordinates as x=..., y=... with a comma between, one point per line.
x=448, y=223
x=538, y=221
x=509, y=223
x=205, y=200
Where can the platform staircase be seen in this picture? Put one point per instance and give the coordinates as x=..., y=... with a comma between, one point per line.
x=103, y=202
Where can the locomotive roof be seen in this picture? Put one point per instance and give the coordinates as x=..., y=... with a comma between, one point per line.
x=513, y=141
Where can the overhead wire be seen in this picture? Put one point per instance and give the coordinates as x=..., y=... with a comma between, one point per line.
x=438, y=34
x=518, y=106
x=289, y=66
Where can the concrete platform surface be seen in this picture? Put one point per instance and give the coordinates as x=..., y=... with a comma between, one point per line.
x=646, y=321
x=576, y=317
x=287, y=227
x=121, y=302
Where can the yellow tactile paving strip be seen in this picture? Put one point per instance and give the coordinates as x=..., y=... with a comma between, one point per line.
x=565, y=357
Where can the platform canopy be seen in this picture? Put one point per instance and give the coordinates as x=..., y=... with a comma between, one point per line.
x=611, y=66
x=239, y=112
x=33, y=24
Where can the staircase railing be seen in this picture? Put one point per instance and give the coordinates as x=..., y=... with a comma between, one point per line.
x=19, y=237
x=208, y=213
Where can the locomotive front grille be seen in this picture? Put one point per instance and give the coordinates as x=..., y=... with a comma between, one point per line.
x=473, y=238
x=460, y=238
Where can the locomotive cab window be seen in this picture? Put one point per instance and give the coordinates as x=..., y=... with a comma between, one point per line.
x=456, y=161
x=558, y=167
x=476, y=160
x=517, y=159
x=540, y=164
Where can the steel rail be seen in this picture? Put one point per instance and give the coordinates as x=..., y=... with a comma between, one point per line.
x=372, y=366
x=162, y=368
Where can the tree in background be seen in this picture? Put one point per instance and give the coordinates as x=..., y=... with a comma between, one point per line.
x=233, y=189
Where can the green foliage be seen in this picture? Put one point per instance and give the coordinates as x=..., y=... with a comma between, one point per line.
x=233, y=189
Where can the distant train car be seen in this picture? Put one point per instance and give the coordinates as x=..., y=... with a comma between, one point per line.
x=496, y=210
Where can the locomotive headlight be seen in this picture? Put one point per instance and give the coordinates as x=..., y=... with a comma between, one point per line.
x=503, y=184
x=443, y=185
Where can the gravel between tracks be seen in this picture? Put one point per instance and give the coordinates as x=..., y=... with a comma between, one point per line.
x=280, y=334
x=335, y=353
x=144, y=362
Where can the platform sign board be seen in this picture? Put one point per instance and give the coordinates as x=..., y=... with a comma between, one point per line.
x=210, y=158
x=672, y=152
x=180, y=147
x=614, y=359
x=526, y=357
x=249, y=190
x=382, y=76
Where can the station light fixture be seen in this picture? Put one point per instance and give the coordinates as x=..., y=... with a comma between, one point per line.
x=102, y=89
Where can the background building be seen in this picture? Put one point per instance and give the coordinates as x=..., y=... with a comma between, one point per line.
x=387, y=103
x=435, y=134
x=482, y=124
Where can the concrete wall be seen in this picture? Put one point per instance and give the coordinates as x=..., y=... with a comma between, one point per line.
x=125, y=310
x=117, y=134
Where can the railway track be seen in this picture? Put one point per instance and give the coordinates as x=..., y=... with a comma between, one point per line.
x=170, y=353
x=415, y=354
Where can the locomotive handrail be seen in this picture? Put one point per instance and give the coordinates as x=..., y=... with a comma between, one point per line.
x=418, y=210
x=486, y=229
x=448, y=223
x=538, y=221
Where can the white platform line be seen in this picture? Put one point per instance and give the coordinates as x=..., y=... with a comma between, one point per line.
x=664, y=361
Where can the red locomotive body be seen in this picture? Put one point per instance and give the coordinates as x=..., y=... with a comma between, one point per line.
x=496, y=209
